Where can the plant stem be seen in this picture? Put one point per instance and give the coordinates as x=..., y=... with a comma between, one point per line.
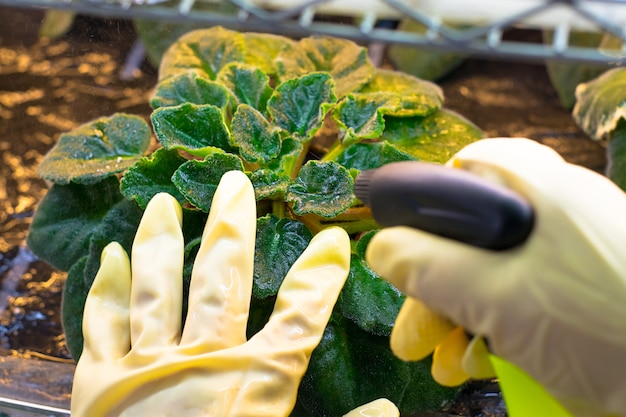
x=333, y=152
x=278, y=208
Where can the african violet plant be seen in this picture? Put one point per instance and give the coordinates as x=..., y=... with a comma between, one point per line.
x=301, y=119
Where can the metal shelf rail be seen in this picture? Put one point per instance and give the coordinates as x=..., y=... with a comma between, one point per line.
x=364, y=21
x=484, y=22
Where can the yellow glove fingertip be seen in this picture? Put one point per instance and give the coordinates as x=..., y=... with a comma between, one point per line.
x=476, y=360
x=417, y=331
x=447, y=369
x=381, y=407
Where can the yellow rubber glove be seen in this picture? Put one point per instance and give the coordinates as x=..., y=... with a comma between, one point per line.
x=555, y=306
x=137, y=361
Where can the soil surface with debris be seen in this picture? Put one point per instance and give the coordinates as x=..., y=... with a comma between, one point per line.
x=48, y=87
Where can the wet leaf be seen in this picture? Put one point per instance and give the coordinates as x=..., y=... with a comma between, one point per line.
x=300, y=104
x=279, y=243
x=269, y=184
x=189, y=87
x=363, y=156
x=75, y=293
x=257, y=139
x=322, y=188
x=601, y=103
x=66, y=219
x=434, y=138
x=368, y=300
x=360, y=118
x=351, y=367
x=198, y=180
x=196, y=129
x=249, y=84
x=204, y=51
x=287, y=160
x=151, y=176
x=402, y=95
x=119, y=224
x=95, y=150
x=346, y=61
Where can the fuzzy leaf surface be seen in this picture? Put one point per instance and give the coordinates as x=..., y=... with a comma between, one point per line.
x=269, y=184
x=346, y=61
x=198, y=180
x=189, y=87
x=257, y=139
x=434, y=138
x=196, y=129
x=300, y=104
x=204, y=51
x=279, y=243
x=402, y=95
x=95, y=150
x=152, y=175
x=249, y=84
x=322, y=188
x=363, y=156
x=67, y=217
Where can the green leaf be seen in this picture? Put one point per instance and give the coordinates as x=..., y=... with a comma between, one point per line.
x=75, y=293
x=269, y=184
x=403, y=95
x=366, y=299
x=601, y=103
x=198, y=180
x=262, y=49
x=300, y=104
x=196, y=129
x=346, y=61
x=151, y=176
x=423, y=63
x=616, y=155
x=158, y=35
x=205, y=51
x=119, y=225
x=287, y=160
x=351, y=367
x=95, y=150
x=434, y=138
x=360, y=118
x=363, y=156
x=189, y=87
x=56, y=23
x=565, y=76
x=66, y=219
x=249, y=84
x=257, y=139
x=322, y=188
x=279, y=243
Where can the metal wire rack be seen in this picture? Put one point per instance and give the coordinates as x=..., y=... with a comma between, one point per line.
x=485, y=22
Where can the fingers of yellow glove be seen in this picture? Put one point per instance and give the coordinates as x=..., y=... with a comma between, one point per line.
x=377, y=408
x=417, y=331
x=446, y=275
x=476, y=361
x=447, y=369
x=221, y=283
x=307, y=296
x=157, y=267
x=106, y=315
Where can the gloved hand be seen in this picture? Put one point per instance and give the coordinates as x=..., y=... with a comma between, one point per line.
x=137, y=361
x=554, y=306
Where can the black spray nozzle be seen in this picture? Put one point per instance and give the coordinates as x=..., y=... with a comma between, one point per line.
x=449, y=202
